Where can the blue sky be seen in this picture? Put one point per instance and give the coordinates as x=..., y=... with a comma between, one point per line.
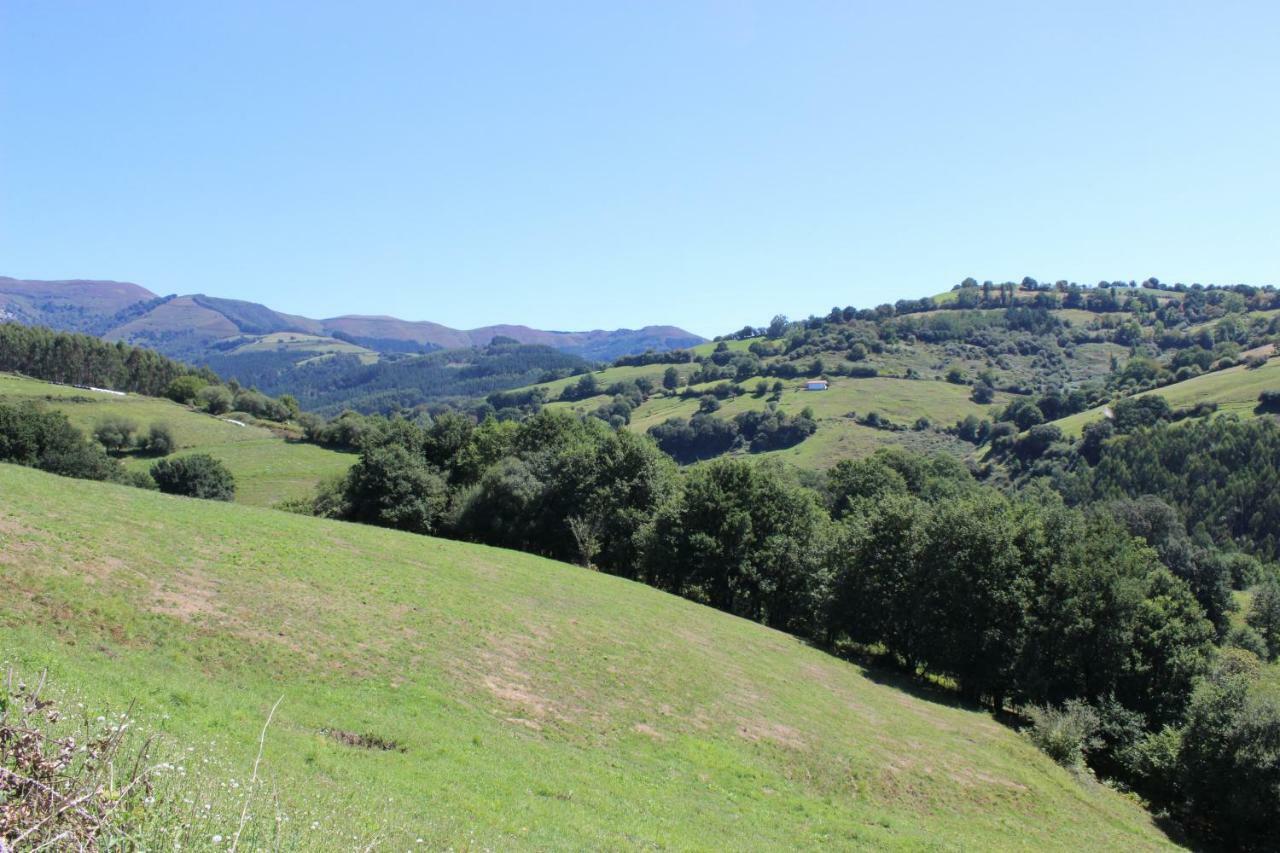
x=611, y=163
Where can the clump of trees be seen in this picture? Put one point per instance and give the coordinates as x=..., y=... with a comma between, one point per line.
x=38, y=438
x=705, y=436
x=118, y=435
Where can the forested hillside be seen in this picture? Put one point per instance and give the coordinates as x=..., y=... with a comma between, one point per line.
x=341, y=380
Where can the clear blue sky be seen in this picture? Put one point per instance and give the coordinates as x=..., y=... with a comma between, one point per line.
x=620, y=163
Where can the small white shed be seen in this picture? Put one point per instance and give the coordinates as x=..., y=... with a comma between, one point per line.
x=816, y=385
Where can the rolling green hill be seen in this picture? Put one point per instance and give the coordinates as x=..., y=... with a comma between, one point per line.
x=1066, y=348
x=839, y=436
x=538, y=705
x=1234, y=389
x=267, y=468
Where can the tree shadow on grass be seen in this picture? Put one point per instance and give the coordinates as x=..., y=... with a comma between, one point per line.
x=886, y=670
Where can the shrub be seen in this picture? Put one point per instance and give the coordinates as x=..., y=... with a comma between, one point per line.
x=1066, y=734
x=1247, y=639
x=159, y=440
x=55, y=794
x=138, y=479
x=215, y=399
x=115, y=433
x=196, y=476
x=184, y=389
x=1269, y=401
x=260, y=405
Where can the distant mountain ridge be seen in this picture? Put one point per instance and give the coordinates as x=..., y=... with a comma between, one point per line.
x=195, y=327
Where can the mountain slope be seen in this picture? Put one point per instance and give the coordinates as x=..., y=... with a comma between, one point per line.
x=193, y=326
x=72, y=305
x=539, y=705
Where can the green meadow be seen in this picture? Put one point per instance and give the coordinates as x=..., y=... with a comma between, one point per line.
x=267, y=467
x=1235, y=390
x=534, y=705
x=839, y=436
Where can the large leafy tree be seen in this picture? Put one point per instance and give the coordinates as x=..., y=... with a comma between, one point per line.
x=393, y=487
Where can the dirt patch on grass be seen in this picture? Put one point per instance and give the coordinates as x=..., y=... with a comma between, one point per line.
x=101, y=568
x=11, y=547
x=758, y=730
x=968, y=777
x=649, y=731
x=192, y=595
x=502, y=670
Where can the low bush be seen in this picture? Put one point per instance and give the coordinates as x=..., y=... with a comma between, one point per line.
x=196, y=476
x=159, y=440
x=1066, y=733
x=115, y=433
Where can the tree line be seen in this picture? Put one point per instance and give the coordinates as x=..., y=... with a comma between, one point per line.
x=76, y=359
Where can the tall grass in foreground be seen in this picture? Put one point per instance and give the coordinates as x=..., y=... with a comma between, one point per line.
x=71, y=779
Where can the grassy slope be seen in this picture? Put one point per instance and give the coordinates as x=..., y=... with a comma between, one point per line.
x=266, y=467
x=540, y=705
x=1235, y=389
x=838, y=436
x=316, y=347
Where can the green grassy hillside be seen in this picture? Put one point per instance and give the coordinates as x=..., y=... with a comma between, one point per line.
x=839, y=436
x=1235, y=390
x=539, y=705
x=267, y=468
x=297, y=342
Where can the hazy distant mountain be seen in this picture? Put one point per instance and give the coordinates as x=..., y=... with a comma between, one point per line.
x=198, y=327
